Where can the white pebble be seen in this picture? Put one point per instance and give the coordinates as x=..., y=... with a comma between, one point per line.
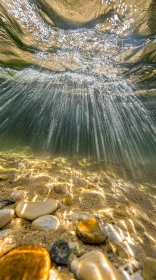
x=6, y=216
x=47, y=222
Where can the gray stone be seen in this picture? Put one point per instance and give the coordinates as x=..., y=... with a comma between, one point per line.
x=17, y=195
x=47, y=222
x=60, y=252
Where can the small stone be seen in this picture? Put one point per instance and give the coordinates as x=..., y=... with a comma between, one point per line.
x=90, y=232
x=67, y=202
x=45, y=223
x=60, y=189
x=94, y=265
x=90, y=187
x=149, y=269
x=53, y=163
x=32, y=210
x=25, y=262
x=17, y=195
x=60, y=252
x=113, y=232
x=81, y=215
x=3, y=177
x=73, y=245
x=6, y=216
x=137, y=276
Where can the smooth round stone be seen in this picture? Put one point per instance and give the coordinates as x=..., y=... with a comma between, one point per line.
x=149, y=269
x=25, y=262
x=6, y=216
x=45, y=223
x=32, y=210
x=94, y=265
x=90, y=232
x=60, y=252
x=17, y=195
x=3, y=177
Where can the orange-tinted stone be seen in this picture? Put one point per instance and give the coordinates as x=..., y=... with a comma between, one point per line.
x=90, y=232
x=29, y=262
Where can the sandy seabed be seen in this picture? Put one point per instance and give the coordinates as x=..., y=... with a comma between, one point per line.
x=79, y=185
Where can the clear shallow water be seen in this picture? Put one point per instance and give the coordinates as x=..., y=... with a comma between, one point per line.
x=74, y=100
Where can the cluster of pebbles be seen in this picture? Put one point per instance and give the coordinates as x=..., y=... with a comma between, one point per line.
x=46, y=231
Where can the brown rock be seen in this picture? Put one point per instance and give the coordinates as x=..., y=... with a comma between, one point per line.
x=149, y=269
x=25, y=262
x=90, y=232
x=60, y=189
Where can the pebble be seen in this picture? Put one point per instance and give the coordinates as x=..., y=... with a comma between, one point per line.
x=90, y=232
x=149, y=269
x=67, y=202
x=113, y=232
x=17, y=195
x=26, y=262
x=60, y=252
x=6, y=216
x=60, y=189
x=32, y=210
x=47, y=222
x=81, y=215
x=137, y=276
x=94, y=265
x=3, y=177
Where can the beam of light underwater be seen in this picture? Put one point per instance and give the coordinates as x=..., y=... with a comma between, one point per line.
x=77, y=114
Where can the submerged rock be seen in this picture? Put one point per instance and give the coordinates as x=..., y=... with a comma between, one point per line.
x=95, y=266
x=3, y=177
x=90, y=232
x=45, y=223
x=6, y=216
x=25, y=262
x=32, y=210
x=60, y=252
x=17, y=195
x=149, y=269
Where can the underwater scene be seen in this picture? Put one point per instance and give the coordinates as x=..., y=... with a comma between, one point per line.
x=77, y=139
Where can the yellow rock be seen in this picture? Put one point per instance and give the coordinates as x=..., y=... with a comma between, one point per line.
x=28, y=262
x=67, y=202
x=90, y=232
x=53, y=163
x=3, y=177
x=80, y=190
x=90, y=186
